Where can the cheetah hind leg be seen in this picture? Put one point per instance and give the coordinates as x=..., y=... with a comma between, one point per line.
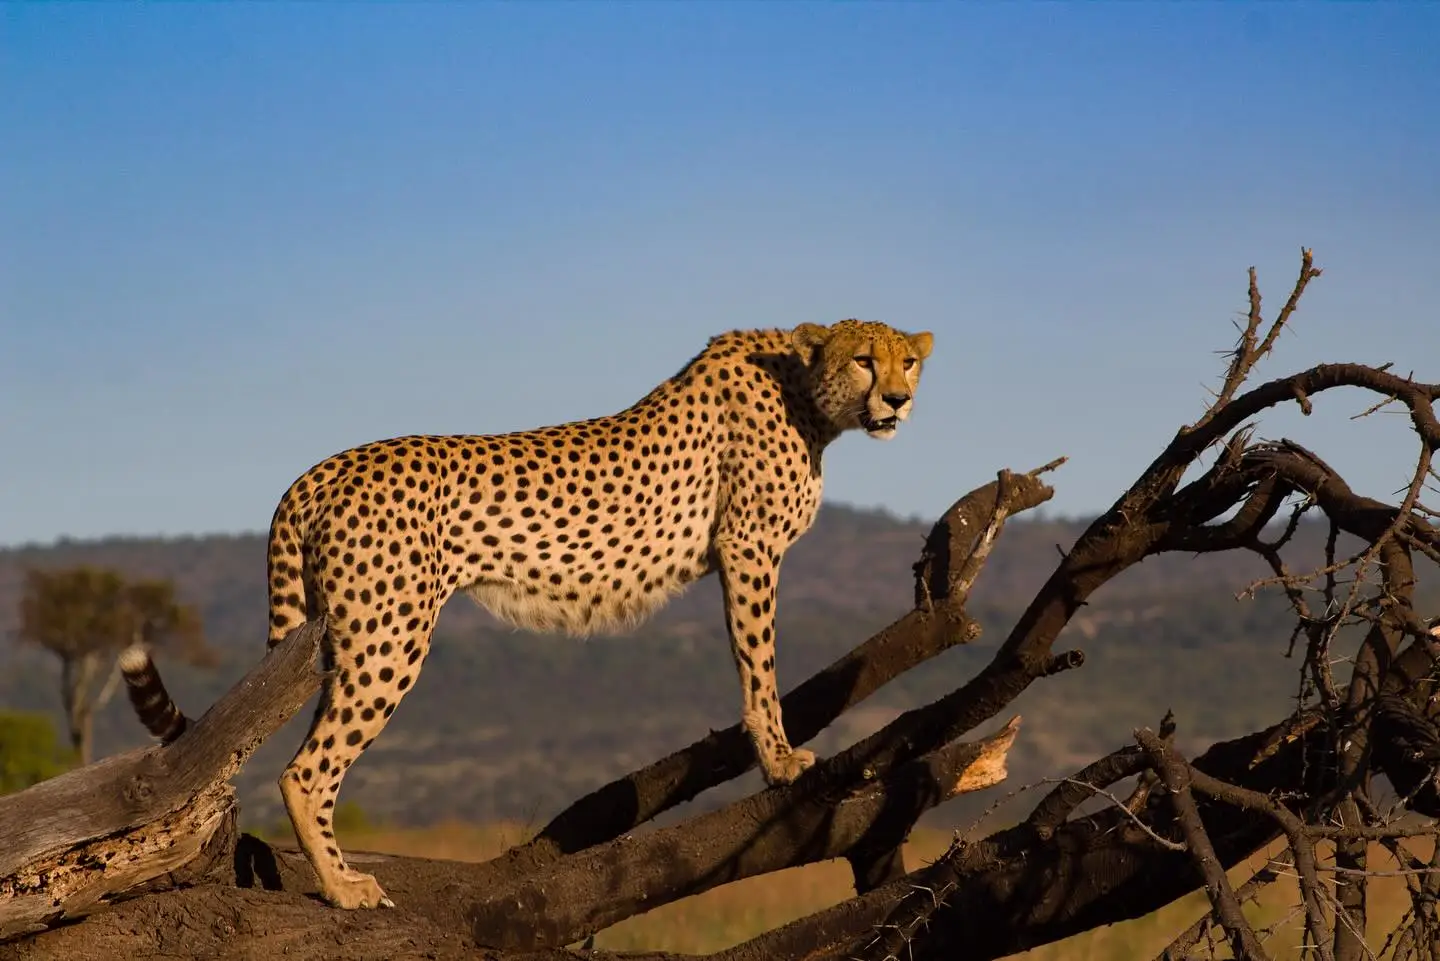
x=347, y=719
x=309, y=787
x=310, y=807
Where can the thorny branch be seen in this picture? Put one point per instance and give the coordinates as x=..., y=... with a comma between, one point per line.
x=1341, y=735
x=1246, y=353
x=1183, y=942
x=1178, y=777
x=1272, y=473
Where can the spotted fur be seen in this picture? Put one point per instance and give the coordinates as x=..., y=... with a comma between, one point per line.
x=586, y=527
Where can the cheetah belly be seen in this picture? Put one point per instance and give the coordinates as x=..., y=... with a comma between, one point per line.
x=560, y=602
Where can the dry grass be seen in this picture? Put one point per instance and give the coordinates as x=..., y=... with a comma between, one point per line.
x=729, y=915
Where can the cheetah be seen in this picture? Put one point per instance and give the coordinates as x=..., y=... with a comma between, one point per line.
x=582, y=528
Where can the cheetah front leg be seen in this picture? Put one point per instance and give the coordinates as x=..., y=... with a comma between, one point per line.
x=748, y=579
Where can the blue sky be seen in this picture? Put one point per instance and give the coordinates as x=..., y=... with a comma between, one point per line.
x=237, y=238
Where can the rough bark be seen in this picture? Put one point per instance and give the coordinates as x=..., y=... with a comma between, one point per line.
x=1021, y=887
x=825, y=815
x=80, y=839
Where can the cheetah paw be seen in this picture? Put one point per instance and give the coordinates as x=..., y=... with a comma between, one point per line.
x=357, y=890
x=786, y=768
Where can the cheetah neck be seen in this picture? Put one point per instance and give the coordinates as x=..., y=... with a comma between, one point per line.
x=746, y=369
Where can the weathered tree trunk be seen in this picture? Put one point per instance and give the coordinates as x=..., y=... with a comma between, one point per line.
x=76, y=673
x=100, y=831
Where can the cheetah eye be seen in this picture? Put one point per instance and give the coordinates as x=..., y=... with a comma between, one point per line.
x=909, y=362
x=865, y=362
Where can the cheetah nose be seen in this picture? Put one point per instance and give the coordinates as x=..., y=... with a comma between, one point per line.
x=896, y=401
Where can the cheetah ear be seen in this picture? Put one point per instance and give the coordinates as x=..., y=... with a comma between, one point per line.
x=807, y=339
x=922, y=342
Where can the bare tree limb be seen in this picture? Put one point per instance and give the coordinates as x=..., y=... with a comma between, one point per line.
x=1176, y=775
x=782, y=827
x=1179, y=948
x=77, y=839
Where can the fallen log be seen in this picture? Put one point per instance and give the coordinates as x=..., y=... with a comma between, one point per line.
x=815, y=819
x=77, y=841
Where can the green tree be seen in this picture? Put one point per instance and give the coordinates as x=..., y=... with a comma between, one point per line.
x=85, y=616
x=30, y=752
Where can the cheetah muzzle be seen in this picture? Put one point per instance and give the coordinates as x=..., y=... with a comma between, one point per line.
x=584, y=528
x=883, y=427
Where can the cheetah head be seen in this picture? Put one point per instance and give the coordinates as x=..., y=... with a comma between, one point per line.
x=863, y=374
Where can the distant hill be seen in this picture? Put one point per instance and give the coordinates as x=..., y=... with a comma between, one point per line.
x=508, y=724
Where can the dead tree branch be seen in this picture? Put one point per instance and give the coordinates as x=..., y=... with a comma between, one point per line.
x=1176, y=775
x=776, y=829
x=80, y=839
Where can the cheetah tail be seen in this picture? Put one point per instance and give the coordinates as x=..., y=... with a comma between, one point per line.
x=152, y=702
